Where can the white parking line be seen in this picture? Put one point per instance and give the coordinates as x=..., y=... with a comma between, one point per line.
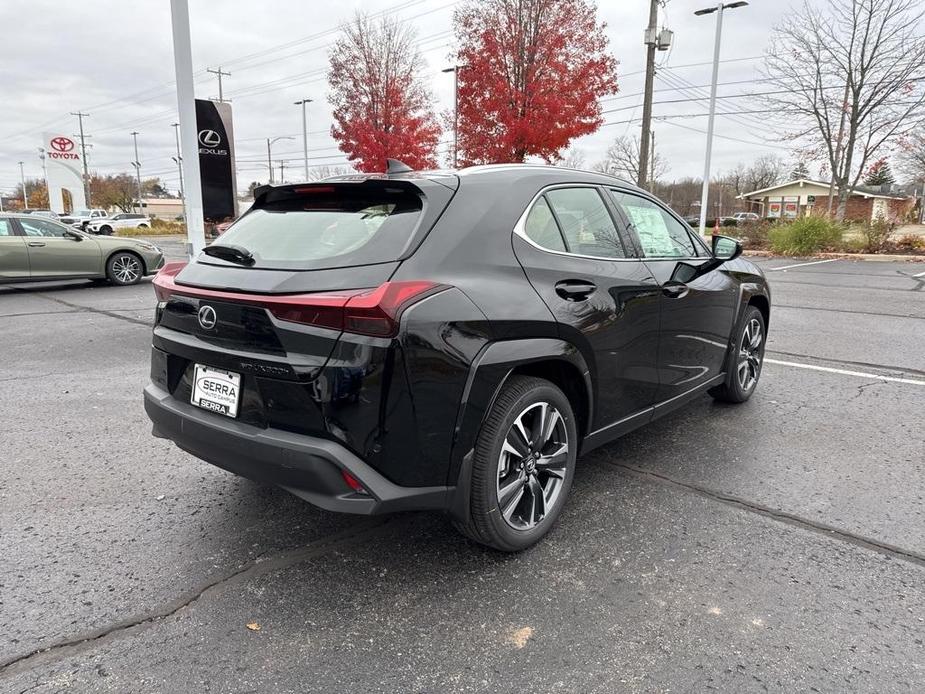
x=845, y=372
x=812, y=262
x=921, y=274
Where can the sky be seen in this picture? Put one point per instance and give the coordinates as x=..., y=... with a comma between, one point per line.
x=115, y=62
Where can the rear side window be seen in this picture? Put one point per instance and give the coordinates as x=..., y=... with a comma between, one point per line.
x=661, y=235
x=585, y=222
x=6, y=228
x=541, y=227
x=327, y=227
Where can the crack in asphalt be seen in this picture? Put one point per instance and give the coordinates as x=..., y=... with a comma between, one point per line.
x=844, y=310
x=831, y=531
x=865, y=385
x=87, y=309
x=902, y=371
x=256, y=567
x=82, y=309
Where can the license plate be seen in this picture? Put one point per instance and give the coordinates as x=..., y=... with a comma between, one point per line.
x=216, y=390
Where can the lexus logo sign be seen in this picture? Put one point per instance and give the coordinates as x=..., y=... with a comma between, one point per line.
x=209, y=138
x=62, y=144
x=207, y=317
x=210, y=141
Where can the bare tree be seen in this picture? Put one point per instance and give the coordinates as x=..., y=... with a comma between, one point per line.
x=574, y=159
x=913, y=157
x=317, y=173
x=622, y=159
x=852, y=73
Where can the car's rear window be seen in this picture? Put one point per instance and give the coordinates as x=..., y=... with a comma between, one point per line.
x=328, y=226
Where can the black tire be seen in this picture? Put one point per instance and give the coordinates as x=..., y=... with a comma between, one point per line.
x=745, y=359
x=105, y=230
x=497, y=468
x=124, y=268
x=142, y=226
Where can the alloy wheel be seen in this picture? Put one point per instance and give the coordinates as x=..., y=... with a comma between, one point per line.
x=750, y=355
x=126, y=269
x=532, y=466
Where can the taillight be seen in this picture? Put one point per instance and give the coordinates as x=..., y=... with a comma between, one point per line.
x=163, y=280
x=375, y=312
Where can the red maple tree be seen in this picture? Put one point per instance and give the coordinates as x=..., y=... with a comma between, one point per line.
x=381, y=106
x=532, y=73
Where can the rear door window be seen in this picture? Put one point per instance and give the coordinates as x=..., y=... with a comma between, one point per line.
x=585, y=222
x=327, y=227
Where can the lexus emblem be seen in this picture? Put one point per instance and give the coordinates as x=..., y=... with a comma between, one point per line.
x=61, y=144
x=207, y=317
x=209, y=138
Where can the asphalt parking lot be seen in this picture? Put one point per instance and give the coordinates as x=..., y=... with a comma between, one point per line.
x=778, y=545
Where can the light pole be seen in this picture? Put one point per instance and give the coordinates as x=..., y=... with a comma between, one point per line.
x=25, y=195
x=705, y=193
x=270, y=141
x=302, y=103
x=455, y=70
x=45, y=174
x=83, y=153
x=179, y=161
x=137, y=165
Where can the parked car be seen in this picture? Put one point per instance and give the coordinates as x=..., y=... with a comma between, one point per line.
x=36, y=249
x=80, y=218
x=745, y=217
x=123, y=220
x=447, y=341
x=42, y=213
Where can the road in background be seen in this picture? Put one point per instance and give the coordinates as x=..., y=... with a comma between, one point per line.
x=775, y=545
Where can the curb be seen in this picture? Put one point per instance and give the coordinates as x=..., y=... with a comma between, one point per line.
x=882, y=257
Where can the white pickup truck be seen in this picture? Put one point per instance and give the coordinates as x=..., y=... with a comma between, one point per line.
x=123, y=220
x=80, y=218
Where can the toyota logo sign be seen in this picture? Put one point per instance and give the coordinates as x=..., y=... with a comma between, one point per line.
x=62, y=144
x=209, y=138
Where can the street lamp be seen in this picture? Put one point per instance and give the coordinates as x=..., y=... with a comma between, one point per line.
x=455, y=70
x=25, y=195
x=137, y=165
x=179, y=162
x=270, y=142
x=302, y=103
x=705, y=193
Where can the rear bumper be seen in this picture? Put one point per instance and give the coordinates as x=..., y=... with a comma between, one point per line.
x=308, y=467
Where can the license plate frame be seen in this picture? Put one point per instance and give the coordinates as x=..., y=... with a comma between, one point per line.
x=216, y=390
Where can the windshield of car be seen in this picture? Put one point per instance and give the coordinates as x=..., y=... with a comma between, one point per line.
x=82, y=213
x=328, y=226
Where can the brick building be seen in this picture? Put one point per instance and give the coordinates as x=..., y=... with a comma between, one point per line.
x=803, y=196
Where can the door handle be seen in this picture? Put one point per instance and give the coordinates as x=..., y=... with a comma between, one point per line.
x=35, y=244
x=677, y=290
x=575, y=290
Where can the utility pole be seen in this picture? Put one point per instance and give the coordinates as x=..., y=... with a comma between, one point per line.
x=651, y=41
x=705, y=192
x=83, y=154
x=282, y=170
x=186, y=107
x=25, y=195
x=219, y=73
x=652, y=162
x=137, y=165
x=302, y=103
x=455, y=70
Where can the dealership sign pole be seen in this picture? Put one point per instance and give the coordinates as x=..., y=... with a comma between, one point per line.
x=186, y=105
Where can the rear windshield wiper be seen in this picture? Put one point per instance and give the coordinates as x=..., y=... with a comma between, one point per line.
x=231, y=253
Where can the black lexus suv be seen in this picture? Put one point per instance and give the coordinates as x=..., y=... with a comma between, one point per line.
x=447, y=340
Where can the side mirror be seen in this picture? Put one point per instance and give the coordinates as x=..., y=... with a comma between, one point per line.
x=73, y=235
x=725, y=248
